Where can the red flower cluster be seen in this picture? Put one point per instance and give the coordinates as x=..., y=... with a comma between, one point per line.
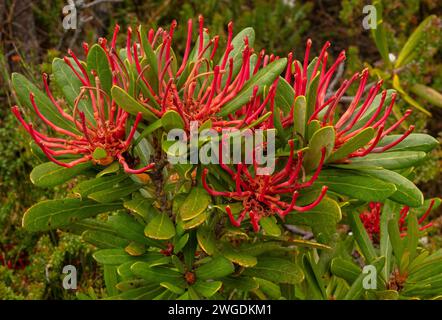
x=200, y=87
x=326, y=102
x=371, y=220
x=100, y=140
x=261, y=194
x=19, y=263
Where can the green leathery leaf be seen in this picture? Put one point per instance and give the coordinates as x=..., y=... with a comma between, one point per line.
x=311, y=67
x=356, y=184
x=414, y=142
x=428, y=94
x=131, y=284
x=128, y=227
x=406, y=191
x=389, y=160
x=103, y=240
x=196, y=202
x=141, y=206
x=151, y=58
x=124, y=270
x=180, y=243
x=206, y=239
x=99, y=153
x=285, y=96
x=312, y=278
x=425, y=270
x=112, y=168
x=160, y=227
x=238, y=47
x=116, y=192
x=85, y=188
x=216, y=268
x=135, y=249
x=270, y=226
x=353, y=144
x=70, y=85
x=110, y=279
x=371, y=109
x=51, y=214
x=323, y=138
x=195, y=222
x=407, y=98
x=396, y=241
x=239, y=257
x=130, y=105
x=49, y=174
x=311, y=94
x=23, y=87
x=270, y=289
x=172, y=120
x=345, y=269
x=409, y=52
x=262, y=78
x=385, y=247
x=311, y=129
x=361, y=237
x=258, y=121
x=323, y=219
x=172, y=287
x=299, y=115
x=207, y=289
x=242, y=283
x=157, y=274
x=97, y=60
x=276, y=270
x=113, y=256
x=142, y=293
x=412, y=238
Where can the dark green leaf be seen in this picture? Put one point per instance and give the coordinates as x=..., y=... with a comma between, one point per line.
x=49, y=174
x=51, y=214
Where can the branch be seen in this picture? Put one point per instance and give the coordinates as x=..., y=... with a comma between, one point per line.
x=295, y=230
x=81, y=5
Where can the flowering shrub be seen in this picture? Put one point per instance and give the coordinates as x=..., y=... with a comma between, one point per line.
x=177, y=230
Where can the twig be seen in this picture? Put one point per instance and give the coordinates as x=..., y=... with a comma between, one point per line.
x=96, y=2
x=295, y=230
x=335, y=80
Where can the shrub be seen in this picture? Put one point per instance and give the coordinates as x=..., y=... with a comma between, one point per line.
x=174, y=230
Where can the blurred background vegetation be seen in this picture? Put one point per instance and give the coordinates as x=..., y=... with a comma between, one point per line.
x=31, y=35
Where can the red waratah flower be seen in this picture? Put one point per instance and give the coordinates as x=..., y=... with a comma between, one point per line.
x=100, y=140
x=199, y=87
x=261, y=195
x=371, y=220
x=326, y=103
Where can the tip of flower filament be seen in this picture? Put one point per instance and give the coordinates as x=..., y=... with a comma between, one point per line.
x=15, y=110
